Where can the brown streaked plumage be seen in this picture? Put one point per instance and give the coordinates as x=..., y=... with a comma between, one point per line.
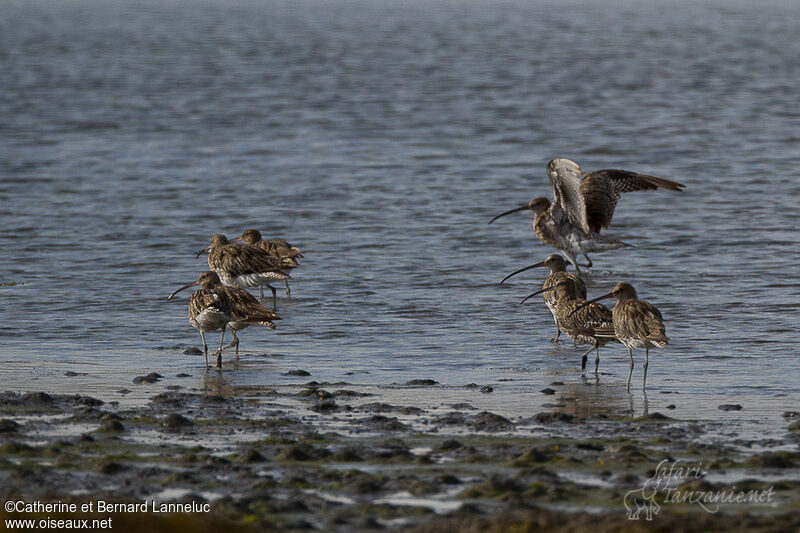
x=244, y=266
x=279, y=248
x=637, y=324
x=247, y=311
x=558, y=271
x=582, y=322
x=210, y=309
x=583, y=205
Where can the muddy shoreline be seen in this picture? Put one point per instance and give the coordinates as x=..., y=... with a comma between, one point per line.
x=342, y=457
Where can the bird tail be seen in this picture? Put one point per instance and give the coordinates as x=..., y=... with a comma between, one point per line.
x=604, y=242
x=262, y=316
x=289, y=262
x=264, y=319
x=659, y=339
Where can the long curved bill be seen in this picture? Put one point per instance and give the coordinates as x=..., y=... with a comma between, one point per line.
x=201, y=251
x=521, y=208
x=540, y=291
x=603, y=297
x=184, y=287
x=539, y=264
x=236, y=239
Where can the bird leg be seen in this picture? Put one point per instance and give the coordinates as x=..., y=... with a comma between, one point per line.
x=630, y=373
x=234, y=342
x=645, y=404
x=558, y=331
x=205, y=346
x=646, y=361
x=219, y=352
x=288, y=290
x=597, y=357
x=583, y=358
x=574, y=260
x=261, y=292
x=274, y=297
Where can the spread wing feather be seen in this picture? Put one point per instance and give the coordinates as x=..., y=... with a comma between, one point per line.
x=568, y=201
x=602, y=189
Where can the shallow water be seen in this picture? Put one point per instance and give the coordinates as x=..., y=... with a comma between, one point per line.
x=381, y=138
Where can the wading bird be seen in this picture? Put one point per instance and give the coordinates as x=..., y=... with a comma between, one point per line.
x=558, y=271
x=276, y=247
x=637, y=324
x=583, y=205
x=210, y=309
x=244, y=266
x=582, y=321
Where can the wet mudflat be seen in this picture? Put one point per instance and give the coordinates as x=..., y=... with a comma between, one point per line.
x=345, y=457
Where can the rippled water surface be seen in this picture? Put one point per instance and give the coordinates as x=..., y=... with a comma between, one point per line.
x=381, y=137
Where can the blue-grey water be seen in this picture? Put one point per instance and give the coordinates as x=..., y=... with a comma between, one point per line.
x=381, y=137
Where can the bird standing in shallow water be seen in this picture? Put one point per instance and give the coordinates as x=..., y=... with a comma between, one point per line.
x=279, y=248
x=243, y=266
x=558, y=271
x=637, y=324
x=583, y=322
x=583, y=205
x=210, y=309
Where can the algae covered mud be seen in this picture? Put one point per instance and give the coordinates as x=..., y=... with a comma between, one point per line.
x=415, y=456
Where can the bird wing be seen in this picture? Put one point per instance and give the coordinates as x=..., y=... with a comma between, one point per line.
x=579, y=284
x=655, y=324
x=240, y=297
x=642, y=320
x=591, y=316
x=239, y=259
x=601, y=189
x=280, y=248
x=568, y=202
x=209, y=299
x=245, y=307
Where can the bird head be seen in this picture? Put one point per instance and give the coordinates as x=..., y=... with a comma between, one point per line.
x=249, y=236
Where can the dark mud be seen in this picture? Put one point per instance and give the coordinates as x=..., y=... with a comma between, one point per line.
x=330, y=457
